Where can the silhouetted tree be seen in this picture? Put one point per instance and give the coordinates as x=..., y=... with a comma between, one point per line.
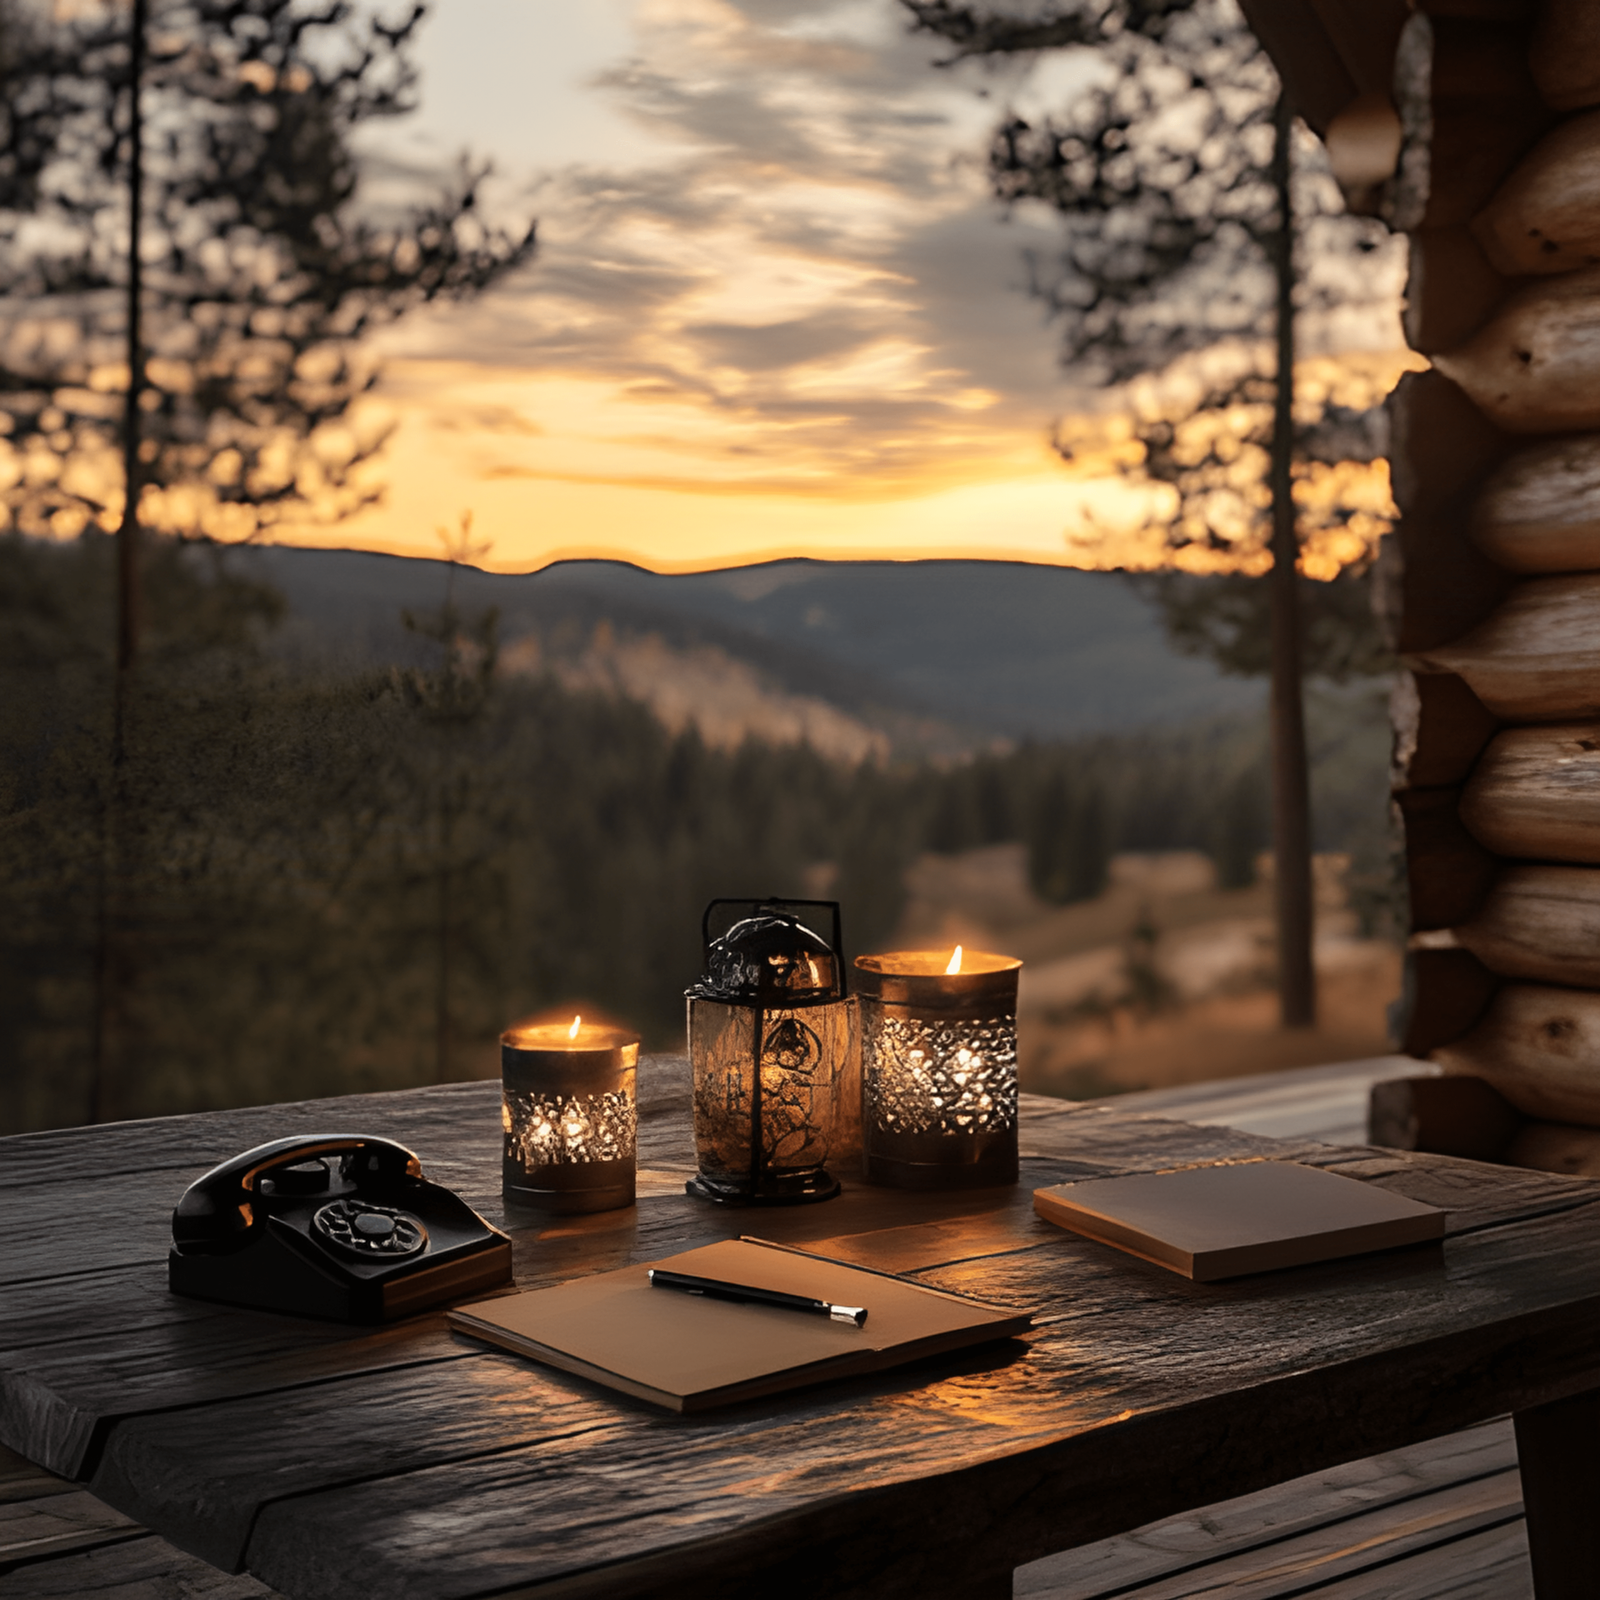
x=189, y=273
x=450, y=698
x=263, y=266
x=1069, y=842
x=1226, y=618
x=1185, y=191
x=1214, y=461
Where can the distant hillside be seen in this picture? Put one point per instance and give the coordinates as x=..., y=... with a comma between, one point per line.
x=1002, y=646
x=930, y=655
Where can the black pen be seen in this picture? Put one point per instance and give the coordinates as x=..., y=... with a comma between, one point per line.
x=716, y=1289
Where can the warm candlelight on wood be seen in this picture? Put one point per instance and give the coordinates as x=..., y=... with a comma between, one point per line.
x=568, y=1114
x=939, y=1068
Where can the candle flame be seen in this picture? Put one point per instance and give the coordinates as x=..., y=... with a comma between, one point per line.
x=572, y=1032
x=955, y=962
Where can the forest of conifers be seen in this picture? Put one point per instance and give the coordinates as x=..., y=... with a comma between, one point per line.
x=302, y=880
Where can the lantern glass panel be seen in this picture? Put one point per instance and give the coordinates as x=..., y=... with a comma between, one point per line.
x=777, y=1085
x=803, y=1112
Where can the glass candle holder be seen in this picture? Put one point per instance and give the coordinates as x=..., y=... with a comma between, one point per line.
x=569, y=1113
x=938, y=1069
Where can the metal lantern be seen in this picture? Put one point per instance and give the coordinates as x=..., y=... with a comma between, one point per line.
x=569, y=1114
x=771, y=1040
x=939, y=1069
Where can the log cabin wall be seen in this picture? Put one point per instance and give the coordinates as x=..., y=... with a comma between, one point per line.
x=1491, y=582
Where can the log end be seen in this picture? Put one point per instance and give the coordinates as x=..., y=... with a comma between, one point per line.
x=1535, y=366
x=1540, y=511
x=1538, y=549
x=1540, y=1047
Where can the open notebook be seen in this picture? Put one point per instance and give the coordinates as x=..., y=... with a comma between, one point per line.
x=689, y=1353
x=1253, y=1216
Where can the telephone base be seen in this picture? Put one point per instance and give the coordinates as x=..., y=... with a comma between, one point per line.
x=272, y=1278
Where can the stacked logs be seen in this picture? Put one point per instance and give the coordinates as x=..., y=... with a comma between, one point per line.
x=1494, y=578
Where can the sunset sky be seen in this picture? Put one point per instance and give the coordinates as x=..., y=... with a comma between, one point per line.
x=774, y=312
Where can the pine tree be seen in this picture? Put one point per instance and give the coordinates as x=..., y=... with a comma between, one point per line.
x=1197, y=223
x=189, y=275
x=450, y=699
x=263, y=268
x=1069, y=844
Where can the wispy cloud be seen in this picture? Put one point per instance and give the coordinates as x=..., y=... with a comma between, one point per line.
x=782, y=315
x=805, y=287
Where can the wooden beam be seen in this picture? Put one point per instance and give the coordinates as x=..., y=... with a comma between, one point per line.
x=1540, y=922
x=1565, y=54
x=1540, y=512
x=1531, y=794
x=1556, y=1147
x=1536, y=657
x=1437, y=585
x=1537, y=1045
x=1532, y=368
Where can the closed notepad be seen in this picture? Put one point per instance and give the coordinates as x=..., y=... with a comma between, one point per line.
x=688, y=1352
x=1224, y=1222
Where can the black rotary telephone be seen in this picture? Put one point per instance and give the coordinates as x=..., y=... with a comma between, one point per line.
x=343, y=1227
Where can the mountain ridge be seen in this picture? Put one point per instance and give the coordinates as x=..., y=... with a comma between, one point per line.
x=938, y=654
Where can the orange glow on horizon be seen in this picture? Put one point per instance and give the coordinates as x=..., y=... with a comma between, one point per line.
x=558, y=467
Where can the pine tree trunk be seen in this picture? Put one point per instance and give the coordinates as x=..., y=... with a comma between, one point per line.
x=1291, y=798
x=128, y=607
x=108, y=972
x=441, y=1014
x=445, y=942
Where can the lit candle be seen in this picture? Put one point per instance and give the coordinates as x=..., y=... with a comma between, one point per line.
x=568, y=1112
x=939, y=1068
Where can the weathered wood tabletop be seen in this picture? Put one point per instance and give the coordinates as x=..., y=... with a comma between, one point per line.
x=409, y=1461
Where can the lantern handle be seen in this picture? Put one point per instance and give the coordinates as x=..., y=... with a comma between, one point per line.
x=776, y=901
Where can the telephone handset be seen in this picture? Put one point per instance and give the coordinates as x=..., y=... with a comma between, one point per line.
x=343, y=1226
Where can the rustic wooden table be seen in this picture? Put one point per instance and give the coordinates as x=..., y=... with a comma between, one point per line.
x=408, y=1461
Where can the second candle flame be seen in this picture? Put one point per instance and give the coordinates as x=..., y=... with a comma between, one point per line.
x=955, y=962
x=572, y=1032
